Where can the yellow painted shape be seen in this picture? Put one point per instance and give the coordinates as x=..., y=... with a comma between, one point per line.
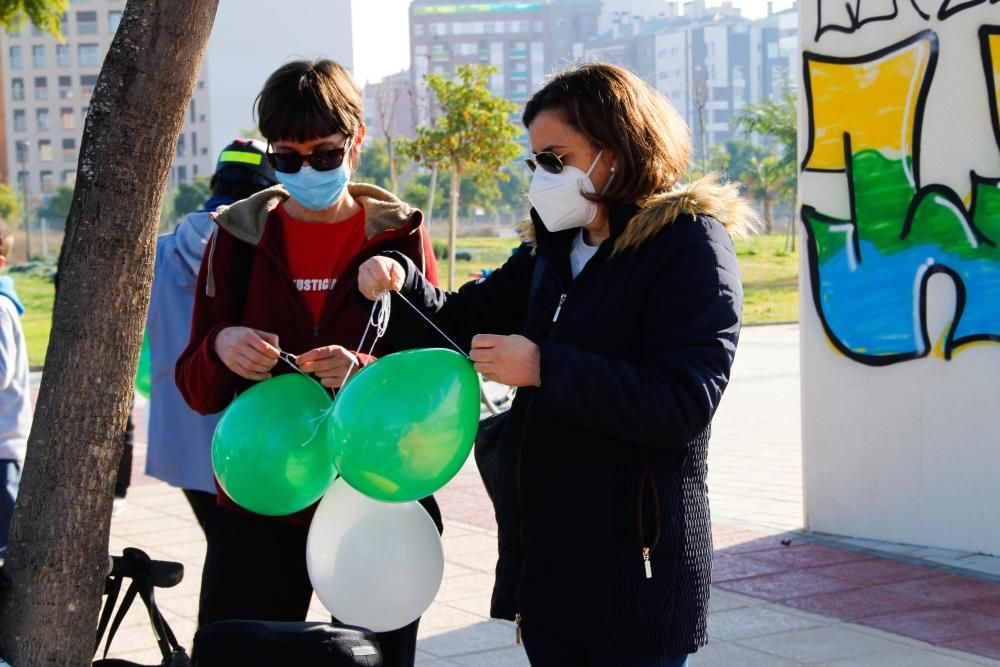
x=993, y=44
x=875, y=102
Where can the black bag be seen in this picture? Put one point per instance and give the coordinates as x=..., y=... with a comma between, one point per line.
x=486, y=450
x=491, y=428
x=146, y=575
x=270, y=643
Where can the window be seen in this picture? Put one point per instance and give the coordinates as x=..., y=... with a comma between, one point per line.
x=38, y=55
x=17, y=89
x=69, y=177
x=47, y=182
x=41, y=88
x=418, y=29
x=15, y=58
x=22, y=180
x=65, y=87
x=45, y=150
x=84, y=111
x=194, y=170
x=42, y=119
x=193, y=114
x=194, y=143
x=114, y=18
x=86, y=23
x=89, y=55
x=87, y=83
x=67, y=118
x=182, y=145
x=69, y=150
x=20, y=120
x=62, y=55
x=182, y=173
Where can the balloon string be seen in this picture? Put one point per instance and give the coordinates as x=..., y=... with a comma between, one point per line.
x=379, y=318
x=434, y=326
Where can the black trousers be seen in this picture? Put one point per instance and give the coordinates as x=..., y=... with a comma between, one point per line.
x=255, y=568
x=202, y=504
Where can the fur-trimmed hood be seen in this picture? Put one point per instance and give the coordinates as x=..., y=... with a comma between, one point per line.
x=247, y=219
x=708, y=196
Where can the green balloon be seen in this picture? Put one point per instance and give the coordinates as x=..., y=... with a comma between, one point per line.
x=404, y=425
x=270, y=450
x=143, y=379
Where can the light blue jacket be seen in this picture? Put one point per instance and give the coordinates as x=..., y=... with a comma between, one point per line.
x=15, y=390
x=180, y=440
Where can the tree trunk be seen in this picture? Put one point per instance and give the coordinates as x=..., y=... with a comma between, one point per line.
x=456, y=183
x=768, y=216
x=430, y=196
x=58, y=547
x=393, y=181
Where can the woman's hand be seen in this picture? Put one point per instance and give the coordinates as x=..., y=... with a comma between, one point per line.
x=250, y=353
x=510, y=360
x=379, y=274
x=330, y=364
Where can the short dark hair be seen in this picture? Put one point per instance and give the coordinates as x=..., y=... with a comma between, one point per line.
x=6, y=239
x=615, y=109
x=304, y=100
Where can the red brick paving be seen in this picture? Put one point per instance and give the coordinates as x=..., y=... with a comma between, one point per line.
x=857, y=604
x=986, y=644
x=876, y=571
x=936, y=626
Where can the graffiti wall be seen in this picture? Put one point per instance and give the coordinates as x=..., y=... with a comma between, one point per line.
x=900, y=207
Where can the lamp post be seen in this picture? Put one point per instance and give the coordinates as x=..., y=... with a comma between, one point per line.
x=22, y=158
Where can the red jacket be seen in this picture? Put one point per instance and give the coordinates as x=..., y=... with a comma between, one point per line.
x=244, y=281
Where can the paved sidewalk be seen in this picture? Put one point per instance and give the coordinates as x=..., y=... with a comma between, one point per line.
x=780, y=597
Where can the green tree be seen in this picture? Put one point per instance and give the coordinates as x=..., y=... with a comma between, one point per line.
x=46, y=15
x=192, y=195
x=57, y=208
x=374, y=165
x=777, y=120
x=472, y=195
x=10, y=205
x=473, y=136
x=57, y=556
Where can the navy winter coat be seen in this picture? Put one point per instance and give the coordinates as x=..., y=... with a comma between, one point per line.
x=604, y=464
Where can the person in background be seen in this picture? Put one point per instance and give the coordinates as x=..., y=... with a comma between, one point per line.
x=617, y=320
x=280, y=275
x=180, y=440
x=15, y=392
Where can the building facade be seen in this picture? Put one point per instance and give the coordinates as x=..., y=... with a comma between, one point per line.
x=525, y=41
x=47, y=86
x=710, y=62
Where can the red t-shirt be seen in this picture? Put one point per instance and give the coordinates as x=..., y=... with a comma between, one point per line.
x=318, y=252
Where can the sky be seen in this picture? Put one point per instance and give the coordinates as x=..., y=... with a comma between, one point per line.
x=382, y=39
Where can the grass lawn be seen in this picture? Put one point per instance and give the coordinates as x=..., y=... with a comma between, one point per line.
x=770, y=281
x=770, y=275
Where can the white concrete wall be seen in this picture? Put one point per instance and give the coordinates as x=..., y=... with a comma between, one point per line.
x=906, y=450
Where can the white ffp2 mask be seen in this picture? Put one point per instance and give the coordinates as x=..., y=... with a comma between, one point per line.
x=558, y=198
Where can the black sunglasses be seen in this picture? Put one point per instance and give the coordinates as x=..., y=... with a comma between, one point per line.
x=289, y=162
x=547, y=160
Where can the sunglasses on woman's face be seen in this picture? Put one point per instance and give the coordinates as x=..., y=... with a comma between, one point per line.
x=289, y=162
x=547, y=160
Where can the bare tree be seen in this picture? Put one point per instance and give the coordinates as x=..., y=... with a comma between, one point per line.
x=58, y=547
x=386, y=97
x=701, y=104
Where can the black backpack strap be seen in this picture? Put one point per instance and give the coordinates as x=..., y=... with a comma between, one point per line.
x=112, y=587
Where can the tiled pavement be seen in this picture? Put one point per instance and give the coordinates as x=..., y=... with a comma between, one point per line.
x=780, y=597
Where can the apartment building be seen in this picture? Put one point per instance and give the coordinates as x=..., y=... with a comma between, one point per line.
x=46, y=90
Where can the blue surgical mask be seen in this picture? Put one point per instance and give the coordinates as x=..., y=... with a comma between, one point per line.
x=316, y=190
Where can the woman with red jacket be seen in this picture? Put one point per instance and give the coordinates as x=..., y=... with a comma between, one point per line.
x=280, y=275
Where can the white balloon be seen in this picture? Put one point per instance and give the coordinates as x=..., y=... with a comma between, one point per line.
x=373, y=564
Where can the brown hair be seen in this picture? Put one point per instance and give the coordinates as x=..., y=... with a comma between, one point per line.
x=617, y=110
x=305, y=100
x=6, y=239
